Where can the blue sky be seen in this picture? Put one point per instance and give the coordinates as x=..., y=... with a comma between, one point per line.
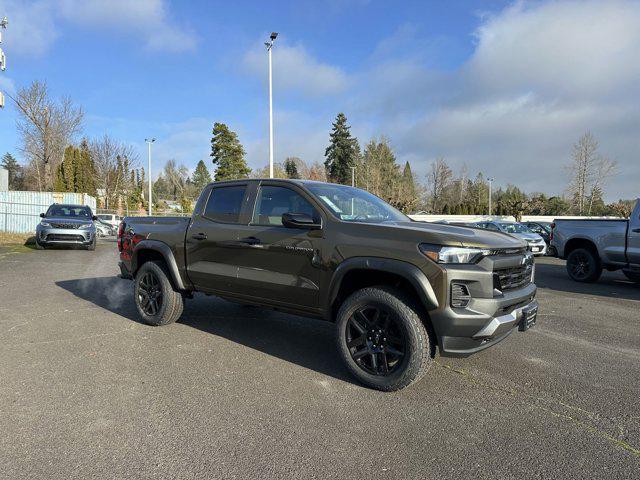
x=504, y=88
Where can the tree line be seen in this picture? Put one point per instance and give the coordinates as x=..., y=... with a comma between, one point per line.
x=56, y=159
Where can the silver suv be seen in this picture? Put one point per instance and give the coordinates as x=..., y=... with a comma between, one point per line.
x=536, y=243
x=66, y=225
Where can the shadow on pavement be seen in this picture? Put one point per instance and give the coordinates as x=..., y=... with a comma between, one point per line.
x=551, y=274
x=305, y=342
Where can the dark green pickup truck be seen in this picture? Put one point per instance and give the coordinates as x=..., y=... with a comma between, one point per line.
x=397, y=290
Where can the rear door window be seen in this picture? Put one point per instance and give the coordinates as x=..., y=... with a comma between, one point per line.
x=225, y=204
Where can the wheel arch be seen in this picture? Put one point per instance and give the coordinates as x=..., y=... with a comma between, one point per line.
x=152, y=250
x=579, y=242
x=361, y=272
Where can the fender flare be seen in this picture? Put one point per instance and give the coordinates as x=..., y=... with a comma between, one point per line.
x=166, y=253
x=408, y=271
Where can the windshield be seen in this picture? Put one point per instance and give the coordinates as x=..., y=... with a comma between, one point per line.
x=354, y=205
x=514, y=228
x=69, y=211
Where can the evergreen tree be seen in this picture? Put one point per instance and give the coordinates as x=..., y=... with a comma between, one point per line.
x=85, y=173
x=65, y=177
x=201, y=176
x=16, y=175
x=291, y=168
x=342, y=153
x=227, y=154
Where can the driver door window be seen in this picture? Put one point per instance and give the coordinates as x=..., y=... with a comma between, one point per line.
x=272, y=202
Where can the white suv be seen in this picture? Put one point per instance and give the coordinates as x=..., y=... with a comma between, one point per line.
x=111, y=219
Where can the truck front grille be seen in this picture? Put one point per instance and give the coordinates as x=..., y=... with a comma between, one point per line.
x=512, y=278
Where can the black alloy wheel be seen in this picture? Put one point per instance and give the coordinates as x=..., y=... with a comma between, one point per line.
x=583, y=265
x=375, y=340
x=150, y=294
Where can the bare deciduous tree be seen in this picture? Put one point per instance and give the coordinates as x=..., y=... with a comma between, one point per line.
x=46, y=128
x=588, y=171
x=112, y=161
x=438, y=180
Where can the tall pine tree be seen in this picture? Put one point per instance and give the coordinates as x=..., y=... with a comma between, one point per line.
x=227, y=154
x=342, y=153
x=291, y=168
x=201, y=176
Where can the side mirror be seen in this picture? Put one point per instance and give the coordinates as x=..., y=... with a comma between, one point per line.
x=300, y=220
x=42, y=215
x=94, y=218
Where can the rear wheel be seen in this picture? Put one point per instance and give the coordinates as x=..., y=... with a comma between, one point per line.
x=633, y=276
x=382, y=339
x=583, y=265
x=157, y=302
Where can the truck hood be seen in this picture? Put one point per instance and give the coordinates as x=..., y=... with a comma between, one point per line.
x=441, y=234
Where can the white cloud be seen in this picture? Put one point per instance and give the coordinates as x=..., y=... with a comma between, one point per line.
x=540, y=76
x=295, y=69
x=35, y=25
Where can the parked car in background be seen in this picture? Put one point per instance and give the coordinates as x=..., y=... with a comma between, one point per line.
x=536, y=243
x=544, y=230
x=104, y=229
x=591, y=245
x=111, y=219
x=394, y=288
x=66, y=225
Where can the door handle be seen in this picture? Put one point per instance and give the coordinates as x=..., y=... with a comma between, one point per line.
x=636, y=230
x=199, y=236
x=250, y=240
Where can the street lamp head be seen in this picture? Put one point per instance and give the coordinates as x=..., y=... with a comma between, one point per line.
x=273, y=36
x=149, y=140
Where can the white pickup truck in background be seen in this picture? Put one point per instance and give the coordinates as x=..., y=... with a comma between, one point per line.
x=591, y=245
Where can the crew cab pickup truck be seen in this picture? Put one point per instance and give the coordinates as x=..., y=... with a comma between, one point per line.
x=396, y=289
x=591, y=245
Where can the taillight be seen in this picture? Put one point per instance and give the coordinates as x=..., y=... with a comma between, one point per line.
x=120, y=235
x=553, y=226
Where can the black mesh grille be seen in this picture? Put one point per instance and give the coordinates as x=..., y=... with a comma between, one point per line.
x=65, y=225
x=511, y=278
x=64, y=238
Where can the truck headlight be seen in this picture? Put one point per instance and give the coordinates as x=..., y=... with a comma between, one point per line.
x=444, y=254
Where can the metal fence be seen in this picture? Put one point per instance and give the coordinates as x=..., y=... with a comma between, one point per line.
x=20, y=211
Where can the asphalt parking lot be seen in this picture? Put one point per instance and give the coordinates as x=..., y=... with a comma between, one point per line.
x=86, y=391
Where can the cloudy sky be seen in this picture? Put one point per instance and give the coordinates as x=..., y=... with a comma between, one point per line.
x=503, y=87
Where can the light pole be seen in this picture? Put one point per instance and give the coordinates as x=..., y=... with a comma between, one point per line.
x=3, y=61
x=490, y=180
x=149, y=142
x=269, y=46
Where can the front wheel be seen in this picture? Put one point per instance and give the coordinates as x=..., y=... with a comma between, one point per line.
x=583, y=265
x=156, y=300
x=382, y=340
x=92, y=245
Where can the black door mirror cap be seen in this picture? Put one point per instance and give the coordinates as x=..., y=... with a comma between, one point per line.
x=94, y=218
x=300, y=220
x=42, y=215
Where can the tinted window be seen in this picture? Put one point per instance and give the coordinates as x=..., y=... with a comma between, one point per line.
x=225, y=203
x=491, y=226
x=272, y=202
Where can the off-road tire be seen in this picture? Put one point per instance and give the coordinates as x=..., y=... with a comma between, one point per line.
x=420, y=343
x=589, y=261
x=633, y=276
x=172, y=304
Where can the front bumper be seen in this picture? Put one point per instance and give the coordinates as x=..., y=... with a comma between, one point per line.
x=64, y=236
x=490, y=315
x=538, y=249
